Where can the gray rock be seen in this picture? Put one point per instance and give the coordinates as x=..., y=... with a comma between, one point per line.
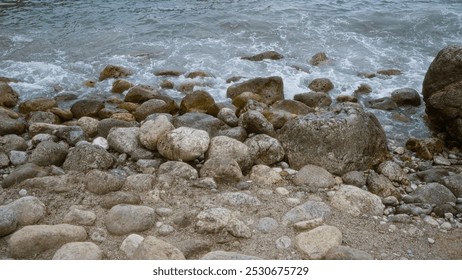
x=390, y=201
x=8, y=221
x=315, y=243
x=314, y=99
x=165, y=230
x=42, y=137
x=79, y=251
x=222, y=255
x=5, y=161
x=89, y=126
x=18, y=157
x=308, y=224
x=23, y=172
x=130, y=244
x=86, y=108
x=355, y=201
x=314, y=178
x=192, y=247
x=239, y=199
x=152, y=130
x=9, y=125
x=265, y=176
x=176, y=172
x=393, y=172
x=102, y=182
x=267, y=224
x=57, y=184
x=271, y=89
x=80, y=217
x=42, y=117
x=87, y=157
x=153, y=106
x=307, y=211
x=225, y=147
x=98, y=235
x=213, y=220
x=400, y=218
x=184, y=144
x=346, y=253
x=454, y=184
x=49, y=153
x=439, y=160
x=406, y=97
x=384, y=103
x=139, y=182
x=237, y=133
x=255, y=122
x=31, y=240
x=238, y=229
x=228, y=116
x=201, y=121
x=126, y=140
x=355, y=178
x=123, y=219
x=265, y=149
x=152, y=248
x=29, y=210
x=414, y=210
x=12, y=142
x=319, y=139
x=71, y=134
x=434, y=193
x=114, y=198
x=207, y=183
x=283, y=242
x=222, y=170
x=104, y=126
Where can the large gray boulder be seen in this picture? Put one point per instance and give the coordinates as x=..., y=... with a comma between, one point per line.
x=442, y=91
x=340, y=140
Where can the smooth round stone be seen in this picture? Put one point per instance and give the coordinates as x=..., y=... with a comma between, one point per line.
x=8, y=221
x=282, y=191
x=293, y=201
x=283, y=242
x=164, y=212
x=431, y=240
x=22, y=193
x=446, y=226
x=79, y=251
x=267, y=224
x=131, y=243
x=165, y=230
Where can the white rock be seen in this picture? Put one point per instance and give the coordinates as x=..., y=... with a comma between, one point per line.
x=265, y=176
x=130, y=244
x=183, y=144
x=282, y=191
x=315, y=243
x=356, y=201
x=101, y=142
x=431, y=221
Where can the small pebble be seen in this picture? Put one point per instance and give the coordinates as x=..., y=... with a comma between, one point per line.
x=293, y=201
x=282, y=191
x=290, y=171
x=400, y=150
x=449, y=216
x=284, y=165
x=99, y=235
x=164, y=212
x=165, y=230
x=283, y=242
x=431, y=240
x=446, y=226
x=22, y=192
x=392, y=228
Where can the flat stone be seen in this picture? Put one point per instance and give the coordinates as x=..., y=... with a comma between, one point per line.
x=29, y=210
x=431, y=221
x=307, y=211
x=79, y=251
x=8, y=221
x=152, y=248
x=315, y=243
x=80, y=217
x=114, y=198
x=434, y=193
x=308, y=224
x=356, y=201
x=346, y=253
x=31, y=240
x=123, y=219
x=130, y=244
x=102, y=182
x=222, y=255
x=267, y=224
x=240, y=199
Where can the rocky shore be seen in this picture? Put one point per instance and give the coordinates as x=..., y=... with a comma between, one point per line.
x=140, y=175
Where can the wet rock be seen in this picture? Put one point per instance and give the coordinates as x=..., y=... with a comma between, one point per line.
x=87, y=157
x=434, y=193
x=142, y=93
x=265, y=176
x=8, y=221
x=382, y=186
x=384, y=103
x=120, y=86
x=225, y=147
x=314, y=177
x=102, y=182
x=79, y=251
x=152, y=248
x=123, y=219
x=389, y=72
x=8, y=97
x=23, y=172
x=222, y=170
x=271, y=55
x=454, y=184
x=62, y=114
x=104, y=126
x=319, y=139
x=239, y=199
x=393, y=171
x=28, y=210
x=49, y=153
x=183, y=143
x=355, y=178
x=9, y=125
x=355, y=201
x=346, y=98
x=199, y=101
x=200, y=121
x=12, y=142
x=176, y=172
x=79, y=217
x=228, y=116
x=271, y=89
x=321, y=85
x=314, y=99
x=406, y=97
x=307, y=211
x=267, y=225
x=86, y=108
x=119, y=197
x=441, y=91
x=197, y=74
x=315, y=243
x=255, y=122
x=222, y=255
x=31, y=240
x=37, y=104
x=363, y=89
x=173, y=73
x=114, y=71
x=346, y=253
x=442, y=209
x=130, y=244
x=318, y=59
x=89, y=126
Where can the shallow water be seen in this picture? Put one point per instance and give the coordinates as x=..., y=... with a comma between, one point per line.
x=47, y=43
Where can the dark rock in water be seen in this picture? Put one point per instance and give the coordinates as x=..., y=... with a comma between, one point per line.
x=87, y=157
x=406, y=97
x=49, y=153
x=292, y=107
x=442, y=92
x=434, y=193
x=113, y=71
x=389, y=72
x=23, y=172
x=255, y=122
x=273, y=55
x=200, y=121
x=314, y=99
x=363, y=89
x=454, y=184
x=321, y=85
x=384, y=103
x=104, y=126
x=199, y=101
x=197, y=74
x=319, y=139
x=86, y=108
x=9, y=125
x=120, y=86
x=319, y=58
x=173, y=73
x=271, y=89
x=234, y=79
x=37, y=104
x=241, y=100
x=8, y=97
x=425, y=148
x=346, y=98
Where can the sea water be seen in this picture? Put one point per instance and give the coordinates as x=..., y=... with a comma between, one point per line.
x=45, y=44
